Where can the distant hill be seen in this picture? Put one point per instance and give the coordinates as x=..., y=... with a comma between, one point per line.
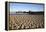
x=30, y=12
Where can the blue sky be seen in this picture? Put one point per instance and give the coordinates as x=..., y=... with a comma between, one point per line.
x=25, y=7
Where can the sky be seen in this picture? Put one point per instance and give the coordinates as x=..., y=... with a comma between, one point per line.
x=25, y=7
